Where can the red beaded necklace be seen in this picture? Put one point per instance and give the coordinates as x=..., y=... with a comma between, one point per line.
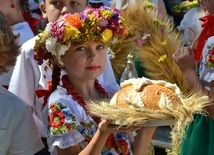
x=80, y=99
x=119, y=148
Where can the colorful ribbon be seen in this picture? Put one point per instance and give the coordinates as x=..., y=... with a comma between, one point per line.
x=45, y=93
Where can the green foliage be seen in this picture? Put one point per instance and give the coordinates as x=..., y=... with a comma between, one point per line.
x=184, y=6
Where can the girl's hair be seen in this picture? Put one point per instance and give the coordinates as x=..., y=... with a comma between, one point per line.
x=55, y=77
x=8, y=44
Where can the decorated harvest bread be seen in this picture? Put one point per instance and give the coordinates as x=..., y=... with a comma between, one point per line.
x=143, y=92
x=143, y=101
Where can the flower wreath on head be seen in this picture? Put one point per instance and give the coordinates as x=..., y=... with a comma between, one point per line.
x=93, y=24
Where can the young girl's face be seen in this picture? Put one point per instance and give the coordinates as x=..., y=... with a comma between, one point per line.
x=53, y=9
x=85, y=61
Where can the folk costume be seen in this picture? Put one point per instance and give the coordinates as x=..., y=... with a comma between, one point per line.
x=77, y=126
x=29, y=77
x=199, y=135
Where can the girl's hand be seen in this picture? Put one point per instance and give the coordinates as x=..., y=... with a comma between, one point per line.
x=107, y=128
x=184, y=58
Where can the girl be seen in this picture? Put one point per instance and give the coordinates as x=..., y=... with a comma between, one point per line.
x=29, y=77
x=76, y=44
x=199, y=137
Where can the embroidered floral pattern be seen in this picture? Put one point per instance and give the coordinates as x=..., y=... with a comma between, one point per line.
x=60, y=119
x=209, y=60
x=87, y=130
x=116, y=142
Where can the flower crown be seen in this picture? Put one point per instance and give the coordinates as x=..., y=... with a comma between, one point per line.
x=93, y=24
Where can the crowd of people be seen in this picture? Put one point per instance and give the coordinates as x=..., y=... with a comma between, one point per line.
x=54, y=60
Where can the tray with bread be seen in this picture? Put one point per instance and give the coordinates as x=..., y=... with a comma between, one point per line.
x=146, y=102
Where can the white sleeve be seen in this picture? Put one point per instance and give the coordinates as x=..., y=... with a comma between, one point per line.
x=22, y=82
x=25, y=81
x=206, y=71
x=184, y=26
x=63, y=132
x=26, y=139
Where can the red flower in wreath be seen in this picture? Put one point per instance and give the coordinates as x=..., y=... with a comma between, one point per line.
x=211, y=56
x=57, y=118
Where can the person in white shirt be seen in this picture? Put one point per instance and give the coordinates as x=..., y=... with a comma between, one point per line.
x=14, y=12
x=18, y=132
x=190, y=25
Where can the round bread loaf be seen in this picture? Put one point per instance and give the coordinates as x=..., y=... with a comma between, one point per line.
x=143, y=92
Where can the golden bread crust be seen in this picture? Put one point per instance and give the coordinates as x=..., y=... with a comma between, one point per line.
x=150, y=96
